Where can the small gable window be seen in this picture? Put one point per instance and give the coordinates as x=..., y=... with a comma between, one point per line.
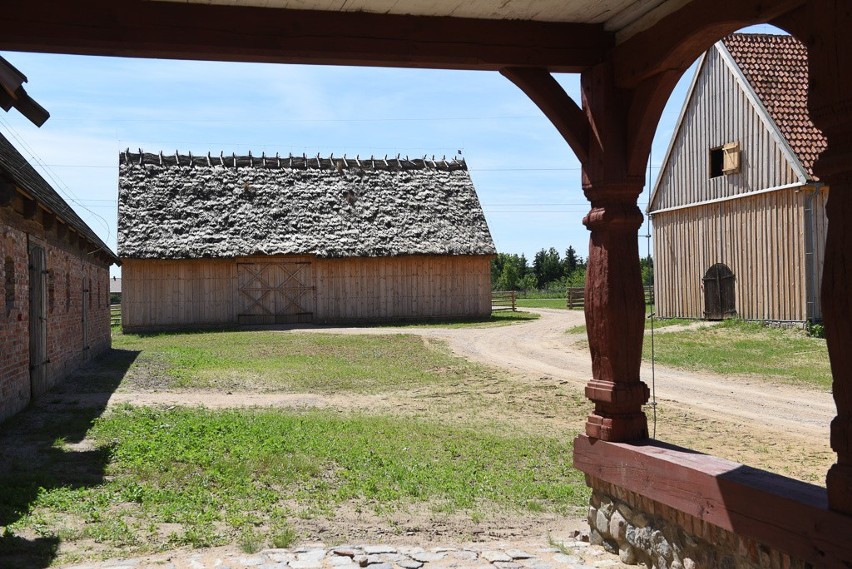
x=725, y=159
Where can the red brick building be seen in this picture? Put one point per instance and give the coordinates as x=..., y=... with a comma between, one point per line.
x=55, y=276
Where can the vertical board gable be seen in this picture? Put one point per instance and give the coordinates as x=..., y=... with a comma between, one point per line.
x=718, y=111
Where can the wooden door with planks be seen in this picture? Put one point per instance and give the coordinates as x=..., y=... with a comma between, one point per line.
x=275, y=292
x=38, y=319
x=719, y=301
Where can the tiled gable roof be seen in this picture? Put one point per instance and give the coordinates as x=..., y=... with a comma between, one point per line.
x=184, y=207
x=776, y=67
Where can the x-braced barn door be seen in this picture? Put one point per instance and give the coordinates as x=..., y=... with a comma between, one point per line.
x=38, y=320
x=275, y=292
x=719, y=293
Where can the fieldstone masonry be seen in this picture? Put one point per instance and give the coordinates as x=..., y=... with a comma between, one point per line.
x=570, y=554
x=644, y=532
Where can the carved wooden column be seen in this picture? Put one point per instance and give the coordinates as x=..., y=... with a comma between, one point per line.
x=830, y=102
x=615, y=305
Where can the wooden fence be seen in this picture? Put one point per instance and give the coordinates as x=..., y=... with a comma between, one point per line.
x=503, y=300
x=114, y=315
x=576, y=296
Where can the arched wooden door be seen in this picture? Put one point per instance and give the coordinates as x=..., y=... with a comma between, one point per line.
x=719, y=300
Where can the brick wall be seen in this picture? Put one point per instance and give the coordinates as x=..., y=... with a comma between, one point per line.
x=71, y=274
x=14, y=350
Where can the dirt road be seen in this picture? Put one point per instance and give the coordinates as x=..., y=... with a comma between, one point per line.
x=772, y=425
x=542, y=349
x=762, y=423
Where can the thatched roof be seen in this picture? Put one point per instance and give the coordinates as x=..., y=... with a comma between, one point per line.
x=179, y=207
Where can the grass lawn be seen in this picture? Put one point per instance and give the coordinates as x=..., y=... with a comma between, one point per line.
x=418, y=429
x=658, y=323
x=542, y=303
x=734, y=347
x=281, y=361
x=189, y=476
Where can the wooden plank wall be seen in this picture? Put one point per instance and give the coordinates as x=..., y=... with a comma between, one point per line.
x=402, y=287
x=686, y=177
x=759, y=237
x=820, y=227
x=203, y=292
x=178, y=293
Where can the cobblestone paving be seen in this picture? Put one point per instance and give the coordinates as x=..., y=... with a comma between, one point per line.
x=573, y=554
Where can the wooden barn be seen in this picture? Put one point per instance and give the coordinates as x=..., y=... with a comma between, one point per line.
x=55, y=273
x=232, y=240
x=738, y=214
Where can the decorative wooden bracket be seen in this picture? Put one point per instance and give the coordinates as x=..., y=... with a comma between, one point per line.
x=568, y=118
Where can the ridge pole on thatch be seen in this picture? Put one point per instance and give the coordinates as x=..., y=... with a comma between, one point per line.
x=209, y=162
x=191, y=162
x=141, y=157
x=305, y=159
x=263, y=159
x=234, y=156
x=357, y=160
x=251, y=160
x=222, y=158
x=177, y=157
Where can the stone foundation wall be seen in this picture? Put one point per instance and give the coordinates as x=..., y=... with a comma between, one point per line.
x=644, y=532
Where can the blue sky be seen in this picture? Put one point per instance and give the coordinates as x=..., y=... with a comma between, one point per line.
x=526, y=176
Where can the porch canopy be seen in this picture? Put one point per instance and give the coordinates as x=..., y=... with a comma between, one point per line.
x=630, y=54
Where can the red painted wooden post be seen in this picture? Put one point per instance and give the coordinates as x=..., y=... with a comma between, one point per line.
x=614, y=302
x=830, y=104
x=823, y=26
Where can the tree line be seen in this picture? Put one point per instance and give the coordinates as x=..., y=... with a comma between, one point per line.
x=549, y=271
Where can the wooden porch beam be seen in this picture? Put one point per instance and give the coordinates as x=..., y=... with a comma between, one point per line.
x=172, y=30
x=565, y=114
x=674, y=42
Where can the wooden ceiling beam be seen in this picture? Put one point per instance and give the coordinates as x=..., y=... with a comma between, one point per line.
x=137, y=28
x=676, y=40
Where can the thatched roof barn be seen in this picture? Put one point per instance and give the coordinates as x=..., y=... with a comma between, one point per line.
x=241, y=239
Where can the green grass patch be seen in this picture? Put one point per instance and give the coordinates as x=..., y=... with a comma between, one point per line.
x=542, y=303
x=658, y=323
x=294, y=362
x=217, y=477
x=734, y=347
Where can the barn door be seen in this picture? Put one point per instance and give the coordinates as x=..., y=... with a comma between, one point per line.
x=719, y=293
x=38, y=320
x=275, y=292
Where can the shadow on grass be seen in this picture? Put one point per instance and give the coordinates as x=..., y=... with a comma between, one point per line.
x=501, y=317
x=43, y=448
